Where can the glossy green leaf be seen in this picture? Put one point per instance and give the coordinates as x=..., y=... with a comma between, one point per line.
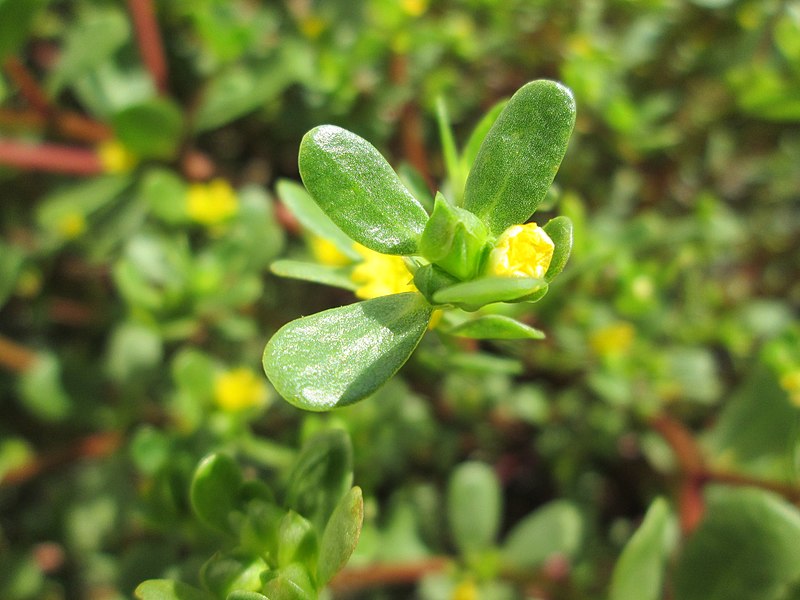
x=16, y=18
x=290, y=583
x=746, y=548
x=497, y=327
x=166, y=589
x=244, y=595
x=297, y=540
x=312, y=218
x=341, y=535
x=306, y=271
x=560, y=231
x=107, y=28
x=223, y=573
x=343, y=355
x=321, y=476
x=553, y=529
x=214, y=492
x=150, y=129
x=639, y=572
x=520, y=155
x=474, y=505
x=487, y=290
x=479, y=134
x=359, y=191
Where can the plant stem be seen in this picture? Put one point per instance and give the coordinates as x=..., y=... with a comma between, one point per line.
x=27, y=84
x=148, y=38
x=50, y=157
x=356, y=578
x=15, y=357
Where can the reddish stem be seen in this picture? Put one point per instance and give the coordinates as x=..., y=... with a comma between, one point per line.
x=148, y=38
x=355, y=578
x=50, y=157
x=15, y=357
x=27, y=84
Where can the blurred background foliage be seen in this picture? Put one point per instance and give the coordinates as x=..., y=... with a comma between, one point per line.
x=139, y=148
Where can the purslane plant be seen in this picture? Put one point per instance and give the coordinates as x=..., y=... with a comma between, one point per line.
x=458, y=257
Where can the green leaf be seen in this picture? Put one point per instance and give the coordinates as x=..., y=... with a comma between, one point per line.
x=41, y=390
x=165, y=589
x=11, y=260
x=341, y=535
x=98, y=34
x=214, y=492
x=479, y=134
x=639, y=573
x=745, y=548
x=223, y=573
x=151, y=129
x=474, y=506
x=343, y=355
x=290, y=583
x=243, y=595
x=520, y=155
x=312, y=218
x=359, y=191
x=456, y=177
x=164, y=193
x=498, y=327
x=297, y=540
x=471, y=295
x=321, y=476
x=553, y=529
x=16, y=19
x=306, y=271
x=560, y=231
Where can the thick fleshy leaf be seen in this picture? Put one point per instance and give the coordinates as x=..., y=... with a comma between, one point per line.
x=560, y=231
x=341, y=535
x=745, y=548
x=312, y=218
x=166, y=589
x=474, y=506
x=343, y=355
x=639, y=573
x=151, y=128
x=355, y=186
x=296, y=269
x=553, y=529
x=214, y=491
x=496, y=327
x=479, y=134
x=520, y=155
x=487, y=290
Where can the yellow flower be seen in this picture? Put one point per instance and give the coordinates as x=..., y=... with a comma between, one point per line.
x=327, y=253
x=380, y=275
x=414, y=8
x=522, y=251
x=115, y=157
x=239, y=389
x=466, y=590
x=613, y=339
x=211, y=203
x=312, y=26
x=71, y=225
x=791, y=383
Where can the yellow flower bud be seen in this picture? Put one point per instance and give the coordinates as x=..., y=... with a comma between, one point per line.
x=71, y=225
x=380, y=275
x=522, y=251
x=790, y=382
x=211, y=203
x=239, y=389
x=326, y=252
x=115, y=157
x=466, y=590
x=612, y=340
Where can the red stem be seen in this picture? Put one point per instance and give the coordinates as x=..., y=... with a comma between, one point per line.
x=27, y=84
x=148, y=38
x=356, y=578
x=50, y=157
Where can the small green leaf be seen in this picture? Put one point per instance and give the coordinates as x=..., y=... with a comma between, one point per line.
x=165, y=195
x=166, y=589
x=214, y=491
x=479, y=134
x=312, y=218
x=321, y=476
x=16, y=18
x=555, y=528
x=41, y=390
x=497, y=327
x=478, y=292
x=306, y=271
x=150, y=129
x=560, y=231
x=297, y=540
x=359, y=191
x=473, y=507
x=520, y=155
x=11, y=260
x=341, y=535
x=343, y=355
x=745, y=548
x=243, y=595
x=290, y=583
x=223, y=573
x=456, y=177
x=639, y=573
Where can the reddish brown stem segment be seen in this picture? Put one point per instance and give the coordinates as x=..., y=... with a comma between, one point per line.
x=27, y=84
x=15, y=357
x=148, y=38
x=359, y=578
x=50, y=157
